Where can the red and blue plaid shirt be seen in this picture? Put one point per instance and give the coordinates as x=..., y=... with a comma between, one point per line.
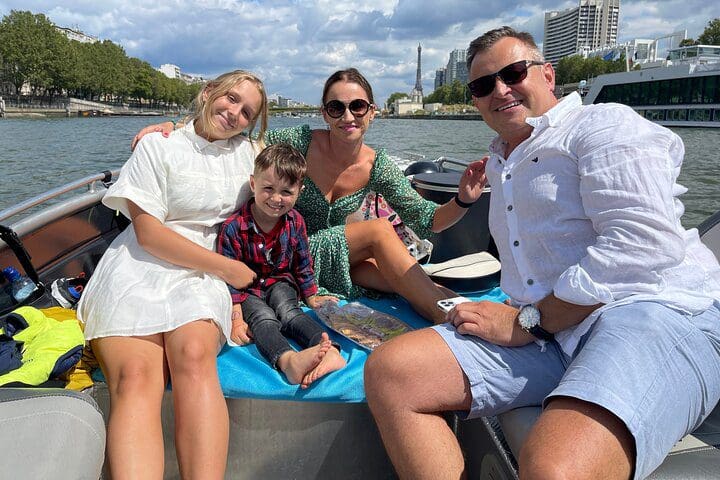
x=287, y=258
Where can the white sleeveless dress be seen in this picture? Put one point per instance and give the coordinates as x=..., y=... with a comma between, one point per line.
x=190, y=185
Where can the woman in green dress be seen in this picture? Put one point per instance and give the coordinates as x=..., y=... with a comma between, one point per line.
x=351, y=257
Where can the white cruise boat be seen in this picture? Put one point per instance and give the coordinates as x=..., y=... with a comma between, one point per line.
x=681, y=91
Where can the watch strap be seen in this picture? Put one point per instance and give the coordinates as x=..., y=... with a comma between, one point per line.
x=538, y=332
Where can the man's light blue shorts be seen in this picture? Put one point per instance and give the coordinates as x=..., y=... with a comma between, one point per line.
x=656, y=369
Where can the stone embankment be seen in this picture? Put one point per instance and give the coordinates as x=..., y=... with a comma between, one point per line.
x=82, y=108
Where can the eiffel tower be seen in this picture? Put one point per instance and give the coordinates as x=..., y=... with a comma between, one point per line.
x=417, y=93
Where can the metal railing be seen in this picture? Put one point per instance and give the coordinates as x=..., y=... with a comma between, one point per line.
x=93, y=183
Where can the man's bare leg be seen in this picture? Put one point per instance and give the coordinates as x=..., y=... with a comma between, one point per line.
x=409, y=382
x=565, y=441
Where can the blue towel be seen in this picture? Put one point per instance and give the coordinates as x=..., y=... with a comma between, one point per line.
x=244, y=373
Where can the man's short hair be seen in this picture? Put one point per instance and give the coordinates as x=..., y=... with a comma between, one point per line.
x=490, y=38
x=288, y=162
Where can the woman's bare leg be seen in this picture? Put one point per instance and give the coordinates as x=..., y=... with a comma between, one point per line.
x=136, y=375
x=376, y=240
x=201, y=415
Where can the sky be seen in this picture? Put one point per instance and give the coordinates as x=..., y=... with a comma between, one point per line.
x=294, y=45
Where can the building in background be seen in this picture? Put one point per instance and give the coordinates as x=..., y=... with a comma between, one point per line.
x=456, y=69
x=591, y=25
x=76, y=34
x=173, y=71
x=439, y=78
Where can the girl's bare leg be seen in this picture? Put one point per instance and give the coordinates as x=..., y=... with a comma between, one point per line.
x=136, y=375
x=201, y=415
x=376, y=240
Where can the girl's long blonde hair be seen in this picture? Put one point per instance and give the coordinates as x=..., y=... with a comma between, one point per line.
x=220, y=86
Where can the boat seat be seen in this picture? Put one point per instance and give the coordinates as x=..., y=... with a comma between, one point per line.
x=696, y=456
x=51, y=433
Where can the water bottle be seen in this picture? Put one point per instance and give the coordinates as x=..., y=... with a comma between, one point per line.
x=20, y=286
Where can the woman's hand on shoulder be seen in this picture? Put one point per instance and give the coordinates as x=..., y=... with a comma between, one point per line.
x=473, y=181
x=236, y=273
x=166, y=128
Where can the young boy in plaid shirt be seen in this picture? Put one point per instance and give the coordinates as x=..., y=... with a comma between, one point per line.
x=269, y=236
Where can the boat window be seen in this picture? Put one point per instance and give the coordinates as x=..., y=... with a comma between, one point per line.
x=695, y=94
x=663, y=92
x=711, y=92
x=699, y=115
x=677, y=115
x=716, y=115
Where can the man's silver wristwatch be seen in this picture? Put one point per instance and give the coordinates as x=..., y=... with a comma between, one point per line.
x=529, y=320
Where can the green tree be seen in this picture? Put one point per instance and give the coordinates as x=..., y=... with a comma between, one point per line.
x=574, y=68
x=28, y=46
x=394, y=96
x=687, y=42
x=711, y=34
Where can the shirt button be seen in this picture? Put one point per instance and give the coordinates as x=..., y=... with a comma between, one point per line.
x=260, y=245
x=516, y=243
x=509, y=208
x=508, y=176
x=530, y=281
x=262, y=280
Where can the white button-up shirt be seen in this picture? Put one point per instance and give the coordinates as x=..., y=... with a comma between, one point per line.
x=586, y=208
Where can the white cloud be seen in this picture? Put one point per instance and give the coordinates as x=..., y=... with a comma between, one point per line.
x=294, y=45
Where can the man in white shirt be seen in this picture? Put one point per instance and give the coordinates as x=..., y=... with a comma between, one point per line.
x=613, y=324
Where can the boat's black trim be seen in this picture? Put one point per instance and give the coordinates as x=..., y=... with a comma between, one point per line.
x=9, y=236
x=709, y=223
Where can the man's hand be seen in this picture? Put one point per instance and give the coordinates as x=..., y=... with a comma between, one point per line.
x=495, y=322
x=316, y=300
x=240, y=332
x=166, y=128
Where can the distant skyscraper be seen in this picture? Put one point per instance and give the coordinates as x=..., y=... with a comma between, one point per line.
x=592, y=24
x=439, y=78
x=417, y=93
x=456, y=67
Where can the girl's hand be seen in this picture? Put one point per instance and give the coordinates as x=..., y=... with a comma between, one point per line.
x=473, y=181
x=237, y=274
x=240, y=332
x=166, y=128
x=317, y=300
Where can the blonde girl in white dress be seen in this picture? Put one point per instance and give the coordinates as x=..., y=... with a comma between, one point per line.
x=157, y=306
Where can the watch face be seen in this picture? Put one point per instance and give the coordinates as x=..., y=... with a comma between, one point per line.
x=529, y=317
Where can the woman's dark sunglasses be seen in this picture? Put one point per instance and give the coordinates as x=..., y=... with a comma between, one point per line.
x=510, y=75
x=336, y=108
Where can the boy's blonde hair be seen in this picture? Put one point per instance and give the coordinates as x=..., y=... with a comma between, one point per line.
x=289, y=163
x=221, y=86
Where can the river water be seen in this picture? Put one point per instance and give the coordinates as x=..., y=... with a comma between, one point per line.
x=39, y=154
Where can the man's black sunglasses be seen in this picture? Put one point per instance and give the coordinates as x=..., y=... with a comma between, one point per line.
x=510, y=75
x=358, y=107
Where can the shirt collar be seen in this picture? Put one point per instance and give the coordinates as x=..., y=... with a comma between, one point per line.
x=555, y=116
x=201, y=143
x=551, y=118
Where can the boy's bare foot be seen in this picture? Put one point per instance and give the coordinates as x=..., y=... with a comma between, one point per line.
x=296, y=365
x=329, y=363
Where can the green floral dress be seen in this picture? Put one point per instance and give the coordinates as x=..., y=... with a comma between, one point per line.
x=326, y=221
